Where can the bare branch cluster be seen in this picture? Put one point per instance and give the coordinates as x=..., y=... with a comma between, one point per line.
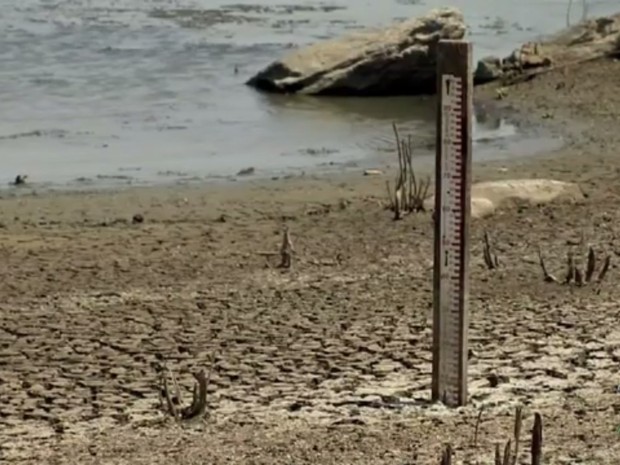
x=410, y=192
x=574, y=274
x=506, y=455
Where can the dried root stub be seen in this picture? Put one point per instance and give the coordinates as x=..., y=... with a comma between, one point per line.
x=575, y=275
x=286, y=249
x=173, y=400
x=537, y=440
x=491, y=259
x=410, y=192
x=446, y=456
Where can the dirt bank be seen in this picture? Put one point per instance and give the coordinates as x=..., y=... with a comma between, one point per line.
x=328, y=362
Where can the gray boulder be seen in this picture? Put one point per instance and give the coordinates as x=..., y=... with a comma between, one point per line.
x=398, y=60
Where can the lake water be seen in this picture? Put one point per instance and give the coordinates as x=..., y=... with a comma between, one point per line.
x=136, y=91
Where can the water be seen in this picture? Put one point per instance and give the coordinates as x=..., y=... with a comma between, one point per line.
x=118, y=91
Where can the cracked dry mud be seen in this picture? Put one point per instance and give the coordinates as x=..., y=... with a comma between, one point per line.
x=329, y=361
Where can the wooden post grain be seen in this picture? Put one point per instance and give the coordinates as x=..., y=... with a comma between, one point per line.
x=452, y=217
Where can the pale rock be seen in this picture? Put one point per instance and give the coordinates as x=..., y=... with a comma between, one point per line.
x=487, y=197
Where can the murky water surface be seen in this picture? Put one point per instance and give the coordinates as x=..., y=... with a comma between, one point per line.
x=111, y=92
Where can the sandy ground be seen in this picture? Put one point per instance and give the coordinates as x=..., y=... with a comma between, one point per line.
x=329, y=362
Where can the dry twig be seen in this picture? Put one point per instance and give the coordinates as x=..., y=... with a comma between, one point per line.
x=171, y=402
x=490, y=257
x=604, y=269
x=446, y=458
x=477, y=427
x=506, y=460
x=549, y=278
x=286, y=249
x=537, y=440
x=174, y=404
x=498, y=454
x=517, y=433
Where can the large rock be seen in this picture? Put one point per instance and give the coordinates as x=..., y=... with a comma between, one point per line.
x=487, y=196
x=398, y=60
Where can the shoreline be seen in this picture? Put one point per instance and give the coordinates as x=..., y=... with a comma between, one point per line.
x=539, y=138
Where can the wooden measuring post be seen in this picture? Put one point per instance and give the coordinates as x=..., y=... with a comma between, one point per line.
x=452, y=213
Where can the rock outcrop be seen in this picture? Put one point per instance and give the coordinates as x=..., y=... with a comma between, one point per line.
x=528, y=56
x=588, y=40
x=398, y=60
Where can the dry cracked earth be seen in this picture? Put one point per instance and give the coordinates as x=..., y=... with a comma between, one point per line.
x=313, y=364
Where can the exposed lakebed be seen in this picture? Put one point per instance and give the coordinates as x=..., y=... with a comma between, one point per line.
x=124, y=92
